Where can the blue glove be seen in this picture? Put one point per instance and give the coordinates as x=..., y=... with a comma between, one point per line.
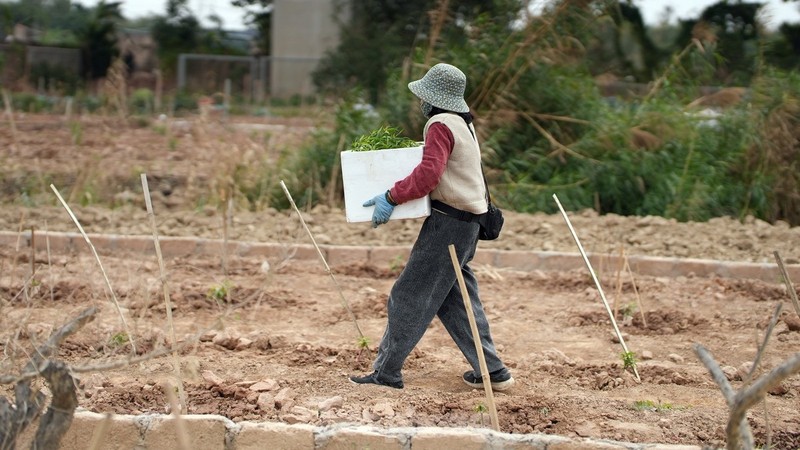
x=383, y=209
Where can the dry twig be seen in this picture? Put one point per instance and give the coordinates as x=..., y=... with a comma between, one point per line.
x=102, y=269
x=165, y=287
x=789, y=286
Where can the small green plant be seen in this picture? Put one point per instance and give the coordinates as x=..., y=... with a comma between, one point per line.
x=119, y=339
x=628, y=360
x=628, y=310
x=381, y=139
x=649, y=405
x=480, y=408
x=363, y=347
x=142, y=101
x=76, y=131
x=219, y=292
x=396, y=263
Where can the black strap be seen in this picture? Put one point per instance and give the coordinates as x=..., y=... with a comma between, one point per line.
x=460, y=214
x=488, y=195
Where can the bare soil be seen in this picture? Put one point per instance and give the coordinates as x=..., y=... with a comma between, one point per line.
x=276, y=343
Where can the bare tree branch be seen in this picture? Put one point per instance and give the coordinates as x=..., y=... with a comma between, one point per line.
x=740, y=430
x=772, y=322
x=29, y=402
x=57, y=420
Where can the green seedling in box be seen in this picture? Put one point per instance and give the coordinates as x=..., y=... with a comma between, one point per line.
x=381, y=139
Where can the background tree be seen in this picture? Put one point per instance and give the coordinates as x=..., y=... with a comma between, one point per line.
x=60, y=21
x=732, y=32
x=177, y=32
x=259, y=15
x=380, y=34
x=784, y=48
x=99, y=39
x=180, y=31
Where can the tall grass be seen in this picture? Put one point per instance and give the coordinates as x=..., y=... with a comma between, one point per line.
x=546, y=128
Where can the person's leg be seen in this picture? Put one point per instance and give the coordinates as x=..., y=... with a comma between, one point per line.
x=454, y=317
x=418, y=293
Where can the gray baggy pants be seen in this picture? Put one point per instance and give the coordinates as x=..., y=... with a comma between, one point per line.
x=428, y=287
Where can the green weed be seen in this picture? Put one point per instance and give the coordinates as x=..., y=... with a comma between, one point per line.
x=396, y=263
x=628, y=360
x=119, y=339
x=628, y=310
x=481, y=409
x=649, y=405
x=76, y=131
x=219, y=292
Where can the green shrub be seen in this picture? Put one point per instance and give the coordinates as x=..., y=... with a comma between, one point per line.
x=312, y=174
x=141, y=101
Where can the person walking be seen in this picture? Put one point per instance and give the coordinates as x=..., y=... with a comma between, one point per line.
x=450, y=172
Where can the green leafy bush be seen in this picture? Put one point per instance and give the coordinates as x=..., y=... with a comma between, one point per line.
x=142, y=101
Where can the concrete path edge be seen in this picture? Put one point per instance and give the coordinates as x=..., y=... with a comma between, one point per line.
x=522, y=260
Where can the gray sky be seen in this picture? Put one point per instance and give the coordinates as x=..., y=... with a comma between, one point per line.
x=233, y=18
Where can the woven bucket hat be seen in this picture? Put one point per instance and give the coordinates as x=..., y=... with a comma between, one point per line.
x=443, y=87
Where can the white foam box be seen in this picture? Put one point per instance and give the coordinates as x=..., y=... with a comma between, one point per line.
x=366, y=174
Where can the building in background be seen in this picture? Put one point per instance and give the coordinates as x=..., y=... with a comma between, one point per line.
x=302, y=32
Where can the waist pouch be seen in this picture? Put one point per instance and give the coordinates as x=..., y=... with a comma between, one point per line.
x=491, y=222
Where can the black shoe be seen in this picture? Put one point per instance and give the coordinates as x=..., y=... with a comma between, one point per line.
x=500, y=379
x=373, y=379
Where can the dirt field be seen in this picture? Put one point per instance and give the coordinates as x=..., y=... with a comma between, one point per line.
x=276, y=343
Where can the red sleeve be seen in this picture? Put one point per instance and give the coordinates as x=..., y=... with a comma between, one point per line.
x=425, y=177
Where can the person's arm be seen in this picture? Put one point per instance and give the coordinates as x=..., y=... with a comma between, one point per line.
x=425, y=177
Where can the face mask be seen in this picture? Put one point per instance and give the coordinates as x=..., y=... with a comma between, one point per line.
x=426, y=108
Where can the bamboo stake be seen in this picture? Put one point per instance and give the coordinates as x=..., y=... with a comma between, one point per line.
x=33, y=250
x=596, y=282
x=789, y=286
x=10, y=114
x=619, y=282
x=100, y=434
x=636, y=292
x=324, y=262
x=487, y=383
x=180, y=426
x=167, y=304
x=49, y=262
x=226, y=222
x=102, y=269
x=13, y=271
